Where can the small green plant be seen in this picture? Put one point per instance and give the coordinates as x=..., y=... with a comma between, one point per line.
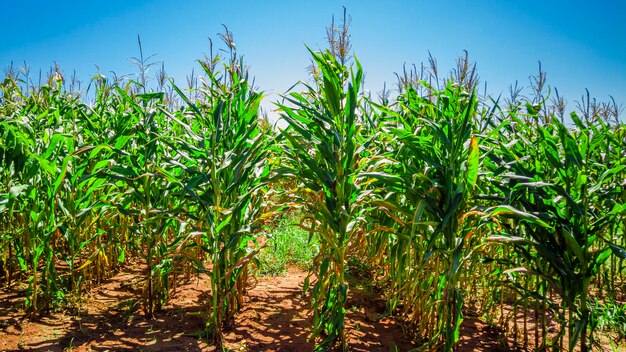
x=612, y=316
x=70, y=347
x=286, y=245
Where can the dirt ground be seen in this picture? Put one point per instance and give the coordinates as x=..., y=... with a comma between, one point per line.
x=274, y=318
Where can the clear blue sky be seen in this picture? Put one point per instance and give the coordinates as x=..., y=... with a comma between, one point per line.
x=581, y=44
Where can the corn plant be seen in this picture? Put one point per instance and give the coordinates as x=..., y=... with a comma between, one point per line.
x=36, y=161
x=429, y=182
x=322, y=154
x=559, y=186
x=139, y=185
x=223, y=153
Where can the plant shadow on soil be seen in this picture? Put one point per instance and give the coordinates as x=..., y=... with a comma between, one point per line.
x=110, y=321
x=275, y=317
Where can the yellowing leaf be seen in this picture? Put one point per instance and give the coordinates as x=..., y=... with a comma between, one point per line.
x=472, y=163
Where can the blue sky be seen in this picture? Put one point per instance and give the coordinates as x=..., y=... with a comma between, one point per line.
x=580, y=44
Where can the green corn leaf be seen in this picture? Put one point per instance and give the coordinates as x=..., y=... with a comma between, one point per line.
x=617, y=250
x=147, y=97
x=472, y=163
x=601, y=257
x=573, y=245
x=61, y=177
x=509, y=211
x=605, y=175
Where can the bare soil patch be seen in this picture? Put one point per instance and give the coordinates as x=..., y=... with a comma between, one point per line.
x=275, y=317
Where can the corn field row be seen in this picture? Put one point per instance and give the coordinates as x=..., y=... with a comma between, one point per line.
x=458, y=201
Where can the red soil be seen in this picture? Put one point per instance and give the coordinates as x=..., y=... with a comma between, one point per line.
x=275, y=318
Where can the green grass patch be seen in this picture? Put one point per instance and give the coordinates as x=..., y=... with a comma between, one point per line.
x=287, y=245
